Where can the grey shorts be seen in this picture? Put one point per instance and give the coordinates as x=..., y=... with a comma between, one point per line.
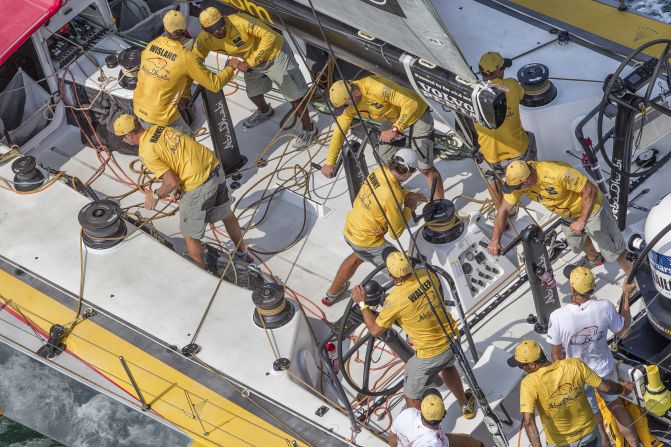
x=418, y=371
x=179, y=124
x=590, y=440
x=601, y=228
x=608, y=398
x=375, y=255
x=283, y=71
x=209, y=203
x=420, y=134
x=498, y=170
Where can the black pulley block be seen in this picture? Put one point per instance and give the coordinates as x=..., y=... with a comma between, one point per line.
x=538, y=89
x=26, y=175
x=102, y=224
x=273, y=310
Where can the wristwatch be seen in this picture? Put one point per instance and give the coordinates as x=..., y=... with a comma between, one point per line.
x=396, y=130
x=363, y=305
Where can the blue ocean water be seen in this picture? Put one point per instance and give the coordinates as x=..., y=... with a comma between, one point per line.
x=659, y=9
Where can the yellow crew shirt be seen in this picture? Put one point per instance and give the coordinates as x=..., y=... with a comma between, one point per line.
x=559, y=393
x=509, y=140
x=167, y=69
x=366, y=224
x=163, y=148
x=382, y=100
x=558, y=188
x=246, y=37
x=407, y=305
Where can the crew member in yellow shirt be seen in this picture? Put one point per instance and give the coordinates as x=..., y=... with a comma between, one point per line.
x=264, y=60
x=557, y=391
x=167, y=69
x=382, y=206
x=408, y=305
x=509, y=141
x=400, y=112
x=566, y=192
x=190, y=172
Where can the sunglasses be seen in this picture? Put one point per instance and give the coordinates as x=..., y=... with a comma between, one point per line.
x=215, y=26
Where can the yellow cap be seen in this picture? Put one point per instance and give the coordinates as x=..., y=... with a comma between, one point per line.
x=124, y=124
x=582, y=280
x=209, y=16
x=491, y=61
x=517, y=172
x=398, y=265
x=432, y=406
x=527, y=351
x=338, y=94
x=174, y=21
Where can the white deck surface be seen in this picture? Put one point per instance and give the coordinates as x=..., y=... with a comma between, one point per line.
x=166, y=295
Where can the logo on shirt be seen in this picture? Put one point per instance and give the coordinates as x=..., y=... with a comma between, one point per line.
x=172, y=140
x=564, y=396
x=157, y=134
x=420, y=290
x=550, y=190
x=238, y=41
x=163, y=52
x=376, y=105
x=586, y=336
x=155, y=66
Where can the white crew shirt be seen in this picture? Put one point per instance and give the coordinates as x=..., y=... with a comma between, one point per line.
x=583, y=332
x=412, y=432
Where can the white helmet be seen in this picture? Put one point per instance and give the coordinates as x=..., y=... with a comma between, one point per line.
x=406, y=158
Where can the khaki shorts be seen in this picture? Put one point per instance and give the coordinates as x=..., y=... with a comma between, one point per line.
x=283, y=71
x=420, y=132
x=375, y=255
x=592, y=439
x=418, y=371
x=179, y=124
x=208, y=203
x=602, y=228
x=498, y=170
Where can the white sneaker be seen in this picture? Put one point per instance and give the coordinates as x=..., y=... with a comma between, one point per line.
x=306, y=137
x=257, y=118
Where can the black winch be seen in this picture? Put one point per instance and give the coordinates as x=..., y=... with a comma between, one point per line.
x=271, y=306
x=129, y=59
x=442, y=222
x=538, y=89
x=27, y=177
x=102, y=224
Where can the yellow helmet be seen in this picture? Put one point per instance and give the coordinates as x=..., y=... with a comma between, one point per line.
x=174, y=21
x=339, y=93
x=492, y=61
x=398, y=265
x=432, y=406
x=528, y=351
x=517, y=172
x=210, y=16
x=582, y=280
x=124, y=124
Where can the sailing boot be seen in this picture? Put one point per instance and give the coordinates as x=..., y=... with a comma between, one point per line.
x=468, y=410
x=257, y=118
x=590, y=263
x=306, y=137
